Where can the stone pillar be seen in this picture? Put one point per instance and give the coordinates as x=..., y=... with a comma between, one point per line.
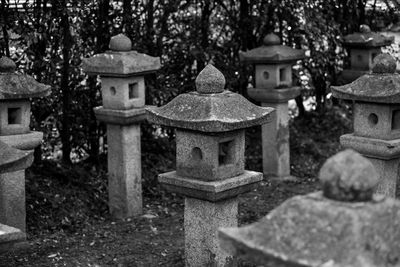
x=376, y=119
x=345, y=224
x=13, y=162
x=123, y=90
x=273, y=88
x=15, y=93
x=210, y=161
x=362, y=47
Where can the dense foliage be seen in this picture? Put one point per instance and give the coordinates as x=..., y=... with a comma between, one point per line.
x=49, y=38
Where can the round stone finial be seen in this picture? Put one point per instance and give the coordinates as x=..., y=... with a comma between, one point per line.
x=7, y=65
x=272, y=39
x=120, y=42
x=365, y=28
x=384, y=63
x=348, y=176
x=210, y=81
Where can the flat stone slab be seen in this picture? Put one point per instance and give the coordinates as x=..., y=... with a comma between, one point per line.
x=375, y=148
x=26, y=141
x=121, y=117
x=210, y=191
x=10, y=234
x=281, y=95
x=12, y=159
x=313, y=231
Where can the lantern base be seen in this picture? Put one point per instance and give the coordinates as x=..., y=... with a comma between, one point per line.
x=11, y=238
x=211, y=191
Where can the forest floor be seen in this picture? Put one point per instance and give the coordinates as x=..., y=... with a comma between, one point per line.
x=69, y=225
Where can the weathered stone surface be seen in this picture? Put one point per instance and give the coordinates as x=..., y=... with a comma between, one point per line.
x=384, y=63
x=314, y=231
x=348, y=176
x=121, y=117
x=124, y=170
x=26, y=141
x=120, y=42
x=121, y=64
x=375, y=87
x=7, y=65
x=212, y=190
x=210, y=81
x=210, y=112
x=282, y=95
x=12, y=199
x=365, y=38
x=12, y=159
x=10, y=234
x=202, y=220
x=210, y=157
x=323, y=228
x=18, y=86
x=272, y=52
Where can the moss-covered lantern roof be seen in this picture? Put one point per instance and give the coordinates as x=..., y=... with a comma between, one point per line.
x=210, y=108
x=367, y=39
x=380, y=86
x=120, y=60
x=345, y=225
x=272, y=52
x=14, y=85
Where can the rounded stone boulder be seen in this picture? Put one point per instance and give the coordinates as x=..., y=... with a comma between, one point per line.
x=348, y=176
x=210, y=81
x=384, y=63
x=365, y=28
x=121, y=43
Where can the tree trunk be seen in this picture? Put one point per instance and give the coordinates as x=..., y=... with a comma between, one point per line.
x=4, y=15
x=66, y=95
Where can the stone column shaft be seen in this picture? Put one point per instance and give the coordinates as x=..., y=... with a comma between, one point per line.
x=12, y=199
x=275, y=142
x=202, y=220
x=388, y=171
x=124, y=170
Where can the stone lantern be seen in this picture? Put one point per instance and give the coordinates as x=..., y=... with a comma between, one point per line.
x=210, y=143
x=363, y=47
x=273, y=88
x=11, y=160
x=16, y=90
x=122, y=73
x=376, y=119
x=345, y=225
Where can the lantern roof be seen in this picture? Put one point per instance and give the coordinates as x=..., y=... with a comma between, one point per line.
x=272, y=52
x=338, y=227
x=382, y=85
x=18, y=86
x=210, y=108
x=120, y=60
x=12, y=159
x=367, y=39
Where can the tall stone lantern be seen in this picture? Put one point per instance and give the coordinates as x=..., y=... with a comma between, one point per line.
x=376, y=120
x=273, y=88
x=16, y=90
x=122, y=73
x=11, y=160
x=363, y=47
x=344, y=225
x=210, y=143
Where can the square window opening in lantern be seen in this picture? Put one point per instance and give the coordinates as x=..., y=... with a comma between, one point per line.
x=225, y=153
x=396, y=120
x=283, y=74
x=133, y=91
x=14, y=115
